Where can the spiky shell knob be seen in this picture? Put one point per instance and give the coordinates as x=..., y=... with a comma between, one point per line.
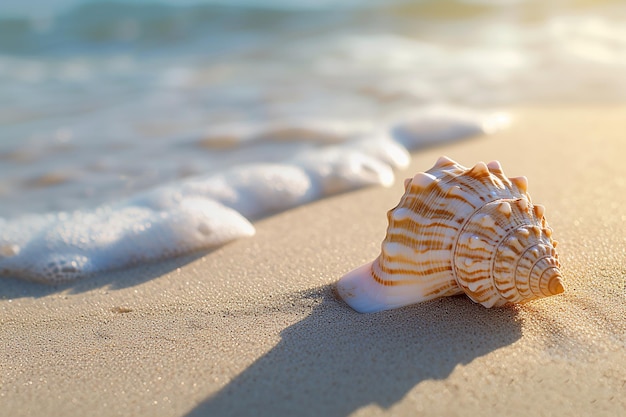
x=458, y=230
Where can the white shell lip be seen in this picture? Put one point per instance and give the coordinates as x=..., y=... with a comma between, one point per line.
x=364, y=294
x=360, y=291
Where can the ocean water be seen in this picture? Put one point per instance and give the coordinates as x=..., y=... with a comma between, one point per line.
x=134, y=130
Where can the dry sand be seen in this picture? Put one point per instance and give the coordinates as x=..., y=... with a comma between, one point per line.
x=253, y=328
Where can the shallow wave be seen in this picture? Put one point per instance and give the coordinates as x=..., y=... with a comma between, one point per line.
x=208, y=211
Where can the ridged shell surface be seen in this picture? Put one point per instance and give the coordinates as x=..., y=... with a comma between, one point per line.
x=459, y=230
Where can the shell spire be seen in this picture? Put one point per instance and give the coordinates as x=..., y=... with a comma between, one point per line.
x=458, y=230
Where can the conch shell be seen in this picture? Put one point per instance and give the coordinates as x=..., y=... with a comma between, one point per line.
x=459, y=230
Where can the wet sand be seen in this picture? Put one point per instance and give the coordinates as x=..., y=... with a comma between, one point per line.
x=254, y=328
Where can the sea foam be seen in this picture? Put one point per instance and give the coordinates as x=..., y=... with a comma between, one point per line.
x=63, y=246
x=208, y=211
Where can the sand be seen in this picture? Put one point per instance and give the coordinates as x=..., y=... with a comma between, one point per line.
x=253, y=328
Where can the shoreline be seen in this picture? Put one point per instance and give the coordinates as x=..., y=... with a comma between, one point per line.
x=253, y=327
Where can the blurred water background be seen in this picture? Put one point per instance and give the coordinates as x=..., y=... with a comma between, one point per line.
x=103, y=98
x=100, y=100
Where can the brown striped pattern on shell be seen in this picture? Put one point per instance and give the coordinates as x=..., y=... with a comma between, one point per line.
x=460, y=230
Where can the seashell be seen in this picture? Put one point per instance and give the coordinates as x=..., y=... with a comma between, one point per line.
x=459, y=230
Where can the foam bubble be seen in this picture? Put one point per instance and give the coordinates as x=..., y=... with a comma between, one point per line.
x=438, y=125
x=63, y=246
x=253, y=190
x=339, y=169
x=385, y=149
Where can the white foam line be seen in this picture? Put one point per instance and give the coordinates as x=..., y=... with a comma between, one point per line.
x=209, y=211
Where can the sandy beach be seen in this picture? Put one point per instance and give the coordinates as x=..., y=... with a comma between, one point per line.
x=254, y=328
